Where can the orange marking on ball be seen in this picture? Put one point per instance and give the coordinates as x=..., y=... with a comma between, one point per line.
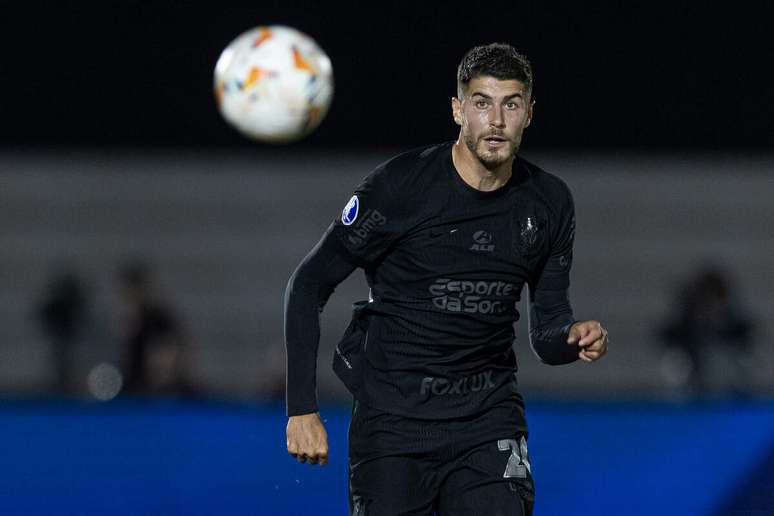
x=255, y=75
x=263, y=35
x=300, y=62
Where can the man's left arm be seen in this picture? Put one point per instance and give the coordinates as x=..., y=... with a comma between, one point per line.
x=555, y=336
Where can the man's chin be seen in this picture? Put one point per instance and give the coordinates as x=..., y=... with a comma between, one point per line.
x=494, y=158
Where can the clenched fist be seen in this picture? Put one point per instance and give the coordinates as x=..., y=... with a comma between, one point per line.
x=307, y=439
x=592, y=339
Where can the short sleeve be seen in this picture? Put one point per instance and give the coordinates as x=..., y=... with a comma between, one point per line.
x=372, y=220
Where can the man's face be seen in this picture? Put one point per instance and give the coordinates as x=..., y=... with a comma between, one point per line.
x=493, y=115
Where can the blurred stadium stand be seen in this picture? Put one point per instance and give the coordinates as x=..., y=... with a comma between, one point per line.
x=225, y=231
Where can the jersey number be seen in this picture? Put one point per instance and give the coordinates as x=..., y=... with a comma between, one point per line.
x=518, y=463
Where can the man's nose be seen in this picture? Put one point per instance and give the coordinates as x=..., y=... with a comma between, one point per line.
x=496, y=118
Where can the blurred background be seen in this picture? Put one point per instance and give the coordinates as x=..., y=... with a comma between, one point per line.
x=145, y=247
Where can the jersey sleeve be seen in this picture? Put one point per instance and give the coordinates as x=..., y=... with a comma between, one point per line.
x=372, y=220
x=308, y=290
x=555, y=272
x=551, y=314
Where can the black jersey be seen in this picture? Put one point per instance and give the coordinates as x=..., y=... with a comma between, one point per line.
x=446, y=264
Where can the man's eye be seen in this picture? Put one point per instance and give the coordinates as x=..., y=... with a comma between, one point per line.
x=481, y=104
x=512, y=105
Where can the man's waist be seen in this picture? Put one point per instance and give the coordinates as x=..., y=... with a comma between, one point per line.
x=423, y=385
x=425, y=396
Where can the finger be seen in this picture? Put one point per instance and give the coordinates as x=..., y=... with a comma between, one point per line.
x=593, y=335
x=582, y=356
x=596, y=346
x=574, y=334
x=320, y=457
x=602, y=344
x=589, y=338
x=597, y=350
x=577, y=331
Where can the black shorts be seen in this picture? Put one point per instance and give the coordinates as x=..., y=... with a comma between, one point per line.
x=470, y=466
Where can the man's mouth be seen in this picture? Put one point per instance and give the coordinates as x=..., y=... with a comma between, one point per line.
x=494, y=141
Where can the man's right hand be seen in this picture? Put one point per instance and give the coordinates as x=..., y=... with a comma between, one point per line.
x=307, y=439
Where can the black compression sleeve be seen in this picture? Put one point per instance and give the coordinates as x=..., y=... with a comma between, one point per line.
x=550, y=311
x=550, y=318
x=308, y=290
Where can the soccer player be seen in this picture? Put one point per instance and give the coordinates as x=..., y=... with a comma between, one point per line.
x=448, y=236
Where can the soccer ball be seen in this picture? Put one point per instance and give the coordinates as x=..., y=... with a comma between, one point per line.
x=273, y=84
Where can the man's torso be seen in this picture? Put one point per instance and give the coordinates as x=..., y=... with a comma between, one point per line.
x=446, y=265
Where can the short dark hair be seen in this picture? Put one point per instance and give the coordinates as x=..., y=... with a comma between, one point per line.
x=498, y=60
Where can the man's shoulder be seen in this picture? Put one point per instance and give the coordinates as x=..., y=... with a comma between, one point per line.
x=409, y=170
x=550, y=186
x=414, y=157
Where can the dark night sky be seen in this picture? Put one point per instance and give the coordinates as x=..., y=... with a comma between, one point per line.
x=140, y=73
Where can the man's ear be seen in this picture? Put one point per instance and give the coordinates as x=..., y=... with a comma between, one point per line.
x=456, y=106
x=530, y=113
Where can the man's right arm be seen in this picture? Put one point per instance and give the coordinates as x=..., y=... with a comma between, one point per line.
x=308, y=290
x=372, y=219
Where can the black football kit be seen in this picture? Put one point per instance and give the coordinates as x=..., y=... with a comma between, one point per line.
x=438, y=422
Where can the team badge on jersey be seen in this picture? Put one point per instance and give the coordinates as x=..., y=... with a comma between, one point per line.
x=529, y=232
x=528, y=236
x=349, y=213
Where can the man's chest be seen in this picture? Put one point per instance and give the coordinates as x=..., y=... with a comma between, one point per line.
x=469, y=259
x=507, y=238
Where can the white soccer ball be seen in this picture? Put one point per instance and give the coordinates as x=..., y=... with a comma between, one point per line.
x=273, y=84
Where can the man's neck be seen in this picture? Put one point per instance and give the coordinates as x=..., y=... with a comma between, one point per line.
x=474, y=173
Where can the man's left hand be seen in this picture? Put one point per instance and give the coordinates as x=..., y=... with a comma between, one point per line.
x=592, y=339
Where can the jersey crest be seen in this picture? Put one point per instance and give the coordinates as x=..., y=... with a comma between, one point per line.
x=349, y=213
x=529, y=232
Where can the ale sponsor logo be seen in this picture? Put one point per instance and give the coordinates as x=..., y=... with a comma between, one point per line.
x=482, y=241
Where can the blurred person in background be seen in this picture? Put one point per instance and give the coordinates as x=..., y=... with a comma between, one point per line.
x=708, y=325
x=155, y=344
x=63, y=316
x=448, y=236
